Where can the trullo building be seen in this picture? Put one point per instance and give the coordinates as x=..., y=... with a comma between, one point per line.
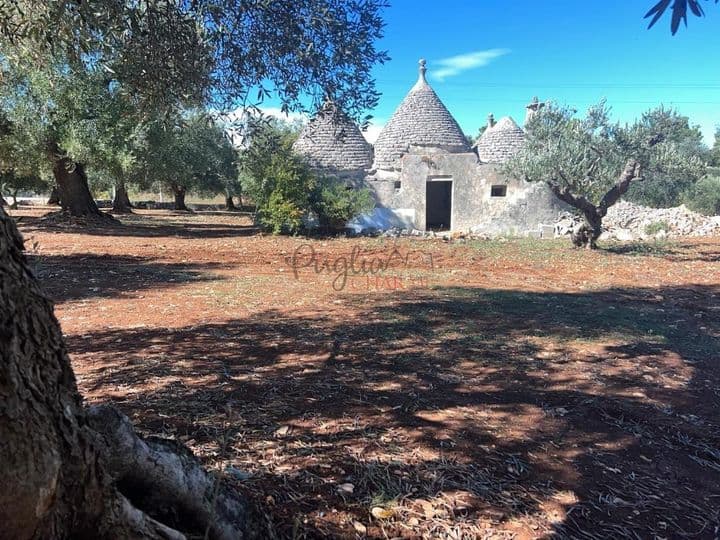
x=424, y=174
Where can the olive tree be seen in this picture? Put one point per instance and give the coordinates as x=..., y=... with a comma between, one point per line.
x=186, y=153
x=667, y=186
x=60, y=126
x=715, y=151
x=172, y=54
x=590, y=162
x=69, y=471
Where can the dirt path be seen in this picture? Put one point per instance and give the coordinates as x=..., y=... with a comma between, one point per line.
x=518, y=389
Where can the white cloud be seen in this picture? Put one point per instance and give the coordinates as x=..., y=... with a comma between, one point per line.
x=278, y=113
x=373, y=130
x=239, y=115
x=454, y=65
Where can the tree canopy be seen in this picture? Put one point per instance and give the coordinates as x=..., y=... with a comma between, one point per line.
x=668, y=184
x=230, y=53
x=160, y=57
x=185, y=153
x=715, y=151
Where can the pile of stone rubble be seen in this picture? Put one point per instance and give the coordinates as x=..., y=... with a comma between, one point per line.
x=628, y=221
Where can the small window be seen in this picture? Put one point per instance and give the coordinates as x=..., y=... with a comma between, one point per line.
x=498, y=191
x=398, y=185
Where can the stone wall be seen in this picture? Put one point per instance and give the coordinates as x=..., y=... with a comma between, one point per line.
x=525, y=207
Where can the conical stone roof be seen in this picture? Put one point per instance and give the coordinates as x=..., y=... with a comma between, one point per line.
x=420, y=120
x=500, y=142
x=332, y=141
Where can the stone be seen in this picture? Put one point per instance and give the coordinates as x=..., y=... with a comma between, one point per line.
x=547, y=231
x=421, y=120
x=500, y=142
x=332, y=142
x=678, y=221
x=624, y=235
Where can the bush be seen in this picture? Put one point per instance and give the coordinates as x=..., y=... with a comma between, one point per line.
x=286, y=190
x=704, y=196
x=655, y=227
x=282, y=195
x=335, y=203
x=281, y=215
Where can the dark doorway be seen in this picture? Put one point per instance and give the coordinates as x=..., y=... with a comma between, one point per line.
x=438, y=204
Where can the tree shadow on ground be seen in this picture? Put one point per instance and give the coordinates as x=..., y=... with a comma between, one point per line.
x=87, y=275
x=466, y=411
x=664, y=249
x=145, y=226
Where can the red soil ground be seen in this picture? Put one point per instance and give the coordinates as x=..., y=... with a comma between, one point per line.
x=517, y=389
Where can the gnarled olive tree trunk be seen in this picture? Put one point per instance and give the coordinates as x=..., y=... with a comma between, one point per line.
x=121, y=201
x=588, y=233
x=75, y=196
x=179, y=192
x=54, y=198
x=14, y=204
x=68, y=472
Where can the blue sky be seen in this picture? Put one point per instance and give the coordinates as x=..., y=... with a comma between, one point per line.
x=574, y=52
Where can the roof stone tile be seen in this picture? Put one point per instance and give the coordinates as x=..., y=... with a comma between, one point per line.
x=500, y=142
x=332, y=141
x=420, y=120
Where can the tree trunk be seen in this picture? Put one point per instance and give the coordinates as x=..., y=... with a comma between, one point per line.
x=50, y=482
x=588, y=233
x=229, y=203
x=14, y=205
x=54, y=199
x=3, y=202
x=179, y=192
x=75, y=196
x=72, y=473
x=121, y=202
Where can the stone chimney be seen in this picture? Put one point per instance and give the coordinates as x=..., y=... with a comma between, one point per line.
x=532, y=108
x=422, y=70
x=491, y=121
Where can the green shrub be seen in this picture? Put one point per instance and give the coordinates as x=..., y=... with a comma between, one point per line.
x=335, y=203
x=281, y=215
x=283, y=200
x=704, y=196
x=286, y=190
x=655, y=227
